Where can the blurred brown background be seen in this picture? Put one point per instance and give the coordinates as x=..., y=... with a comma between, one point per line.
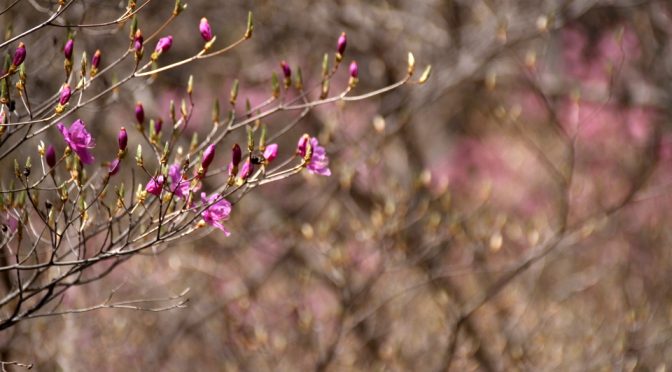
x=510, y=214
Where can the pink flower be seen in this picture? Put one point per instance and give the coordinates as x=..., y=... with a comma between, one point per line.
x=179, y=186
x=205, y=29
x=79, y=140
x=164, y=44
x=155, y=185
x=219, y=210
x=271, y=152
x=319, y=162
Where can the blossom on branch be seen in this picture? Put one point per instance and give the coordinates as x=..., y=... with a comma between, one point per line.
x=218, y=210
x=319, y=162
x=79, y=140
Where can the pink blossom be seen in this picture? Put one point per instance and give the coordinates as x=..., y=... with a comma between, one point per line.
x=319, y=162
x=271, y=152
x=79, y=140
x=218, y=210
x=155, y=185
x=179, y=185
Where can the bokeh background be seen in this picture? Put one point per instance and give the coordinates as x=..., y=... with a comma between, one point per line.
x=513, y=213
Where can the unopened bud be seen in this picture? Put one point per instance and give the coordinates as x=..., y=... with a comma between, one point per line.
x=95, y=62
x=246, y=170
x=139, y=113
x=67, y=49
x=65, y=95
x=50, y=156
x=287, y=72
x=19, y=55
x=122, y=139
x=205, y=29
x=208, y=156
x=340, y=48
x=236, y=155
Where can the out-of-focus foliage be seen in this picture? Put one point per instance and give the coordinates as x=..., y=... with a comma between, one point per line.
x=511, y=214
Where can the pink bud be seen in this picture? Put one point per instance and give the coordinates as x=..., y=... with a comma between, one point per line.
x=236, y=155
x=113, y=168
x=138, y=41
x=286, y=70
x=271, y=152
x=67, y=49
x=164, y=44
x=247, y=169
x=95, y=60
x=206, y=31
x=342, y=42
x=208, y=156
x=19, y=55
x=65, y=94
x=50, y=156
x=303, y=144
x=122, y=139
x=158, y=124
x=354, y=70
x=139, y=113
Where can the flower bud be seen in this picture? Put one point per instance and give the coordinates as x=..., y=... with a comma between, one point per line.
x=303, y=144
x=271, y=152
x=247, y=170
x=95, y=62
x=138, y=41
x=164, y=44
x=236, y=155
x=122, y=139
x=66, y=92
x=50, y=156
x=206, y=30
x=342, y=42
x=340, y=48
x=354, y=70
x=113, y=168
x=19, y=55
x=67, y=49
x=208, y=156
x=286, y=71
x=139, y=113
x=158, y=124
